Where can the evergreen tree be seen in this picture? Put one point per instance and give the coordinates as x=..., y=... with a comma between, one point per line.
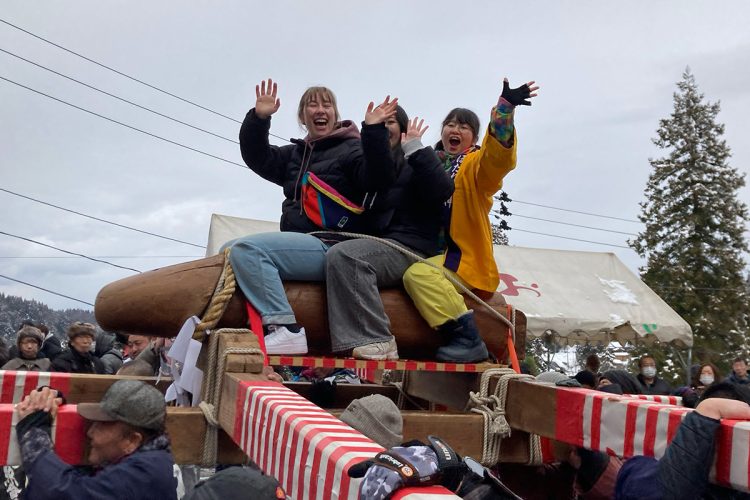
x=694, y=222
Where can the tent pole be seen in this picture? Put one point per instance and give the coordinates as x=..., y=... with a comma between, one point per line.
x=689, y=364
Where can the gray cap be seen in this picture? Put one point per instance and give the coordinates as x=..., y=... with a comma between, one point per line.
x=129, y=401
x=551, y=377
x=378, y=418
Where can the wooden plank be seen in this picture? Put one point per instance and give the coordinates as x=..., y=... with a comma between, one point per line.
x=240, y=363
x=360, y=364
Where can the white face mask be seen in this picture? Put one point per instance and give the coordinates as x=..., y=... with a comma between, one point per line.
x=707, y=379
x=649, y=371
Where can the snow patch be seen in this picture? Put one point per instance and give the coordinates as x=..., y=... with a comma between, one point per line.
x=618, y=292
x=616, y=318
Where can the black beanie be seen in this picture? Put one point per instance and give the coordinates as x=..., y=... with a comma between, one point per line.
x=402, y=118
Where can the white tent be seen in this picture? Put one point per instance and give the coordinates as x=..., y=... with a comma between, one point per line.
x=579, y=296
x=585, y=296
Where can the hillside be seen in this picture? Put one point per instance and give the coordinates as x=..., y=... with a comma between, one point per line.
x=14, y=310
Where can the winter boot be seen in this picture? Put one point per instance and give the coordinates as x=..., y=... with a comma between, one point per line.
x=465, y=345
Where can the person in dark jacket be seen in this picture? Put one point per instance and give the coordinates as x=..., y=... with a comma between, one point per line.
x=650, y=383
x=683, y=470
x=129, y=448
x=330, y=182
x=739, y=372
x=356, y=268
x=624, y=382
x=78, y=358
x=28, y=341
x=108, y=353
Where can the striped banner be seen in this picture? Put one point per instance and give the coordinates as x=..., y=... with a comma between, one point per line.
x=361, y=364
x=15, y=385
x=628, y=426
x=306, y=448
x=669, y=400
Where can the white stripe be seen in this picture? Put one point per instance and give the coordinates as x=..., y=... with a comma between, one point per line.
x=330, y=448
x=290, y=420
x=662, y=427
x=297, y=462
x=259, y=396
x=269, y=418
x=44, y=379
x=14, y=452
x=243, y=423
x=18, y=389
x=640, y=429
x=354, y=484
x=612, y=432
x=739, y=455
x=588, y=408
x=287, y=422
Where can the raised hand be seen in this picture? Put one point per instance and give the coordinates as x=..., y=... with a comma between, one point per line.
x=381, y=112
x=519, y=96
x=415, y=129
x=266, y=102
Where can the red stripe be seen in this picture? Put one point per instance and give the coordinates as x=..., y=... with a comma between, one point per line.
x=430, y=366
x=568, y=416
x=724, y=451
x=70, y=435
x=61, y=382
x=675, y=418
x=8, y=387
x=30, y=383
x=649, y=437
x=631, y=414
x=343, y=447
x=271, y=431
x=425, y=490
x=239, y=405
x=6, y=418
x=410, y=365
x=596, y=422
x=256, y=326
x=305, y=451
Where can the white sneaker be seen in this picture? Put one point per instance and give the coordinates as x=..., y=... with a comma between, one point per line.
x=377, y=351
x=282, y=341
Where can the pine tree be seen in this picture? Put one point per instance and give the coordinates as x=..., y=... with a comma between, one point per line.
x=694, y=222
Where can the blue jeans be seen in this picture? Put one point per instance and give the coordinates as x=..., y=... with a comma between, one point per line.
x=261, y=261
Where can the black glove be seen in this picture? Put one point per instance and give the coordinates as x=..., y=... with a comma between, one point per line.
x=518, y=96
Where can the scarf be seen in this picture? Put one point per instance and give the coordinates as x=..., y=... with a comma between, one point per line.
x=451, y=164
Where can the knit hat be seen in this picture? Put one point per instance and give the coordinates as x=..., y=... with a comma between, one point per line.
x=29, y=332
x=551, y=377
x=378, y=418
x=586, y=377
x=238, y=483
x=80, y=328
x=129, y=401
x=402, y=119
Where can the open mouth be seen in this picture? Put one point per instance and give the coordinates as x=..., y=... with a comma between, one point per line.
x=320, y=122
x=454, y=141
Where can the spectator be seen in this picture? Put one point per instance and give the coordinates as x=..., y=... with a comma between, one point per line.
x=739, y=372
x=78, y=358
x=593, y=364
x=105, y=348
x=619, y=382
x=4, y=355
x=238, y=483
x=51, y=346
x=706, y=376
x=650, y=383
x=586, y=378
x=128, y=446
x=136, y=345
x=28, y=341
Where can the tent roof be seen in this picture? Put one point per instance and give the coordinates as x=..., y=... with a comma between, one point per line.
x=580, y=296
x=585, y=296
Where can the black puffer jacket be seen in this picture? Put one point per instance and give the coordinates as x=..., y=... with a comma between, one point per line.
x=338, y=159
x=416, y=200
x=71, y=361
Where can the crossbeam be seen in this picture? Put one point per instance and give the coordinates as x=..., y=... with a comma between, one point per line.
x=361, y=364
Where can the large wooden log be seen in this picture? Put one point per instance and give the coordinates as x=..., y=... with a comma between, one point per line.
x=158, y=302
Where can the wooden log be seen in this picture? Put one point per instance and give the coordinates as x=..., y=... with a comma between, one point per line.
x=158, y=302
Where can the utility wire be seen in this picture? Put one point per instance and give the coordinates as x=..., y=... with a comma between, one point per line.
x=570, y=224
x=568, y=238
x=573, y=211
x=103, y=257
x=46, y=290
x=98, y=219
x=124, y=124
x=69, y=252
x=128, y=76
x=120, y=98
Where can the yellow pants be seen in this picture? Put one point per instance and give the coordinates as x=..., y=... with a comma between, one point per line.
x=436, y=298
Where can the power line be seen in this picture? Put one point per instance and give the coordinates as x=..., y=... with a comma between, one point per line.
x=574, y=225
x=46, y=290
x=100, y=220
x=103, y=257
x=569, y=238
x=69, y=252
x=573, y=211
x=154, y=87
x=120, y=98
x=124, y=124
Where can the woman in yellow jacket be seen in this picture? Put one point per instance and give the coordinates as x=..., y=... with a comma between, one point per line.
x=478, y=174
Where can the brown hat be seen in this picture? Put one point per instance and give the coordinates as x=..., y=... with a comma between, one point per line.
x=29, y=332
x=80, y=328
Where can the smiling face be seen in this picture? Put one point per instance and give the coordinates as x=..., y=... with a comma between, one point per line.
x=460, y=130
x=137, y=344
x=317, y=112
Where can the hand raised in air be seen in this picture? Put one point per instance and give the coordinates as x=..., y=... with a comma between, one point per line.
x=415, y=129
x=381, y=112
x=519, y=96
x=266, y=102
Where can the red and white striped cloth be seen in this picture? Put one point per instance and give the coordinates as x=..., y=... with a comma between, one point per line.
x=669, y=400
x=306, y=448
x=628, y=426
x=15, y=385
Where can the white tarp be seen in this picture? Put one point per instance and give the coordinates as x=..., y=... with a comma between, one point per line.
x=580, y=296
x=584, y=296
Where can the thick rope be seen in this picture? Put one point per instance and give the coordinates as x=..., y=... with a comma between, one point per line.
x=419, y=258
x=212, y=385
x=492, y=408
x=223, y=292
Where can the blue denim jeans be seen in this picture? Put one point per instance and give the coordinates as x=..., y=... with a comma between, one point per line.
x=261, y=261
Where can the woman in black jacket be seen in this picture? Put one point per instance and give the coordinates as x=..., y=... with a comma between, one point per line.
x=78, y=358
x=329, y=181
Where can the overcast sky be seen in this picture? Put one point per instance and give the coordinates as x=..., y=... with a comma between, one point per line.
x=607, y=72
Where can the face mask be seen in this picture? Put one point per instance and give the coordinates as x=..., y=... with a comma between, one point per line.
x=648, y=371
x=707, y=379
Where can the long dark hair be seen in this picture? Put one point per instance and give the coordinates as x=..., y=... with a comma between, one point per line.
x=462, y=116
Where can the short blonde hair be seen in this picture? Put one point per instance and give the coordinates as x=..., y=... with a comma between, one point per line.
x=312, y=94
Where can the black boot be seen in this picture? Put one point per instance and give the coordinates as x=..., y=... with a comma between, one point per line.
x=465, y=346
